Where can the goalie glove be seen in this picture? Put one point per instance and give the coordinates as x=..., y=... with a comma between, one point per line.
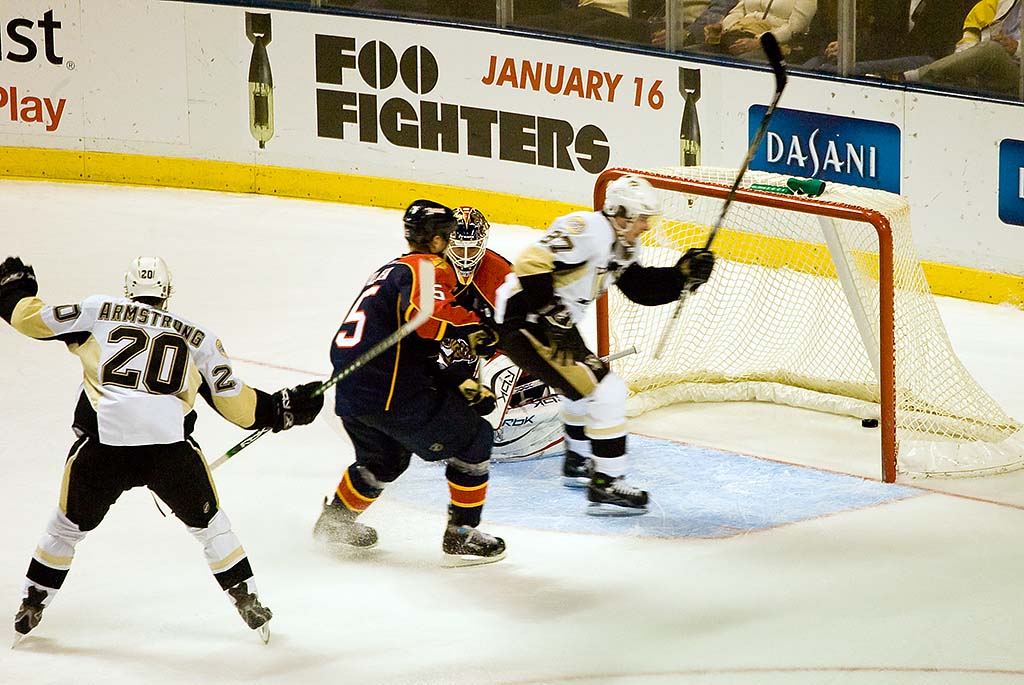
x=17, y=280
x=564, y=340
x=296, y=406
x=480, y=399
x=483, y=341
x=695, y=267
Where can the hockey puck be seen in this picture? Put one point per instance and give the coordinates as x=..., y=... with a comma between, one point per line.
x=869, y=423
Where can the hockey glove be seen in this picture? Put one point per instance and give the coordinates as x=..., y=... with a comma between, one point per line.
x=17, y=280
x=296, y=406
x=695, y=267
x=564, y=340
x=483, y=341
x=480, y=399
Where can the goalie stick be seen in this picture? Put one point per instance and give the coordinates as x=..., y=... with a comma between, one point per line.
x=778, y=64
x=426, y=310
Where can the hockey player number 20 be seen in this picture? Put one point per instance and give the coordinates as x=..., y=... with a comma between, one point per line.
x=161, y=377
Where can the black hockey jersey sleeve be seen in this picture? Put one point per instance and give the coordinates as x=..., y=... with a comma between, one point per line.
x=651, y=285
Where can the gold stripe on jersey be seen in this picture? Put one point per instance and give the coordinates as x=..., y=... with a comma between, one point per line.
x=26, y=319
x=534, y=260
x=52, y=560
x=569, y=276
x=187, y=394
x=228, y=561
x=240, y=409
x=206, y=467
x=615, y=431
x=66, y=479
x=89, y=353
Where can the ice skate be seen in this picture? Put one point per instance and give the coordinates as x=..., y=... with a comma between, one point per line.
x=576, y=470
x=338, y=526
x=467, y=546
x=255, y=615
x=614, y=497
x=29, y=613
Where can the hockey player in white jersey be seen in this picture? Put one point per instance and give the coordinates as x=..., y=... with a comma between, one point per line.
x=142, y=370
x=538, y=309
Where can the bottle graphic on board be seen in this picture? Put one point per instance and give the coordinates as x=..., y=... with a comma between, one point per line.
x=261, y=81
x=689, y=127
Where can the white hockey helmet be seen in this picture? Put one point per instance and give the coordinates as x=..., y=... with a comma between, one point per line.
x=468, y=242
x=148, y=277
x=631, y=196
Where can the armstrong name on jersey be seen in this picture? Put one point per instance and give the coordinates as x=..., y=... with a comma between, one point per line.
x=147, y=316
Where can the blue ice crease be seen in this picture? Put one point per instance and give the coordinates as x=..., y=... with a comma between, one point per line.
x=695, y=492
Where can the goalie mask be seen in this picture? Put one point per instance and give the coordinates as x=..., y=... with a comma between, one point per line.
x=148, y=277
x=468, y=242
x=630, y=197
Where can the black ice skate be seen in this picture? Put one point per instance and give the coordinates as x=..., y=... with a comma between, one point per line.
x=614, y=497
x=29, y=613
x=576, y=470
x=255, y=615
x=467, y=546
x=338, y=526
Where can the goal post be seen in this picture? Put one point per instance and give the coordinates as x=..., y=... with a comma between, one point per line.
x=818, y=303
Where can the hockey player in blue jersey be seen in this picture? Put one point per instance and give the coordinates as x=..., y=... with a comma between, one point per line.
x=401, y=403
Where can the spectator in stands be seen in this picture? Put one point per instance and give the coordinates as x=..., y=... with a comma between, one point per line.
x=987, y=57
x=602, y=19
x=691, y=17
x=892, y=35
x=739, y=31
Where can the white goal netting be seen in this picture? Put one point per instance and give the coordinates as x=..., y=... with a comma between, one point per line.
x=793, y=315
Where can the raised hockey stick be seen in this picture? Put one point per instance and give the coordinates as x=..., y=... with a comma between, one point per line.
x=426, y=310
x=778, y=64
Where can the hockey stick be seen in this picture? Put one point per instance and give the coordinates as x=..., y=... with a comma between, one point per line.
x=608, y=358
x=778, y=64
x=426, y=310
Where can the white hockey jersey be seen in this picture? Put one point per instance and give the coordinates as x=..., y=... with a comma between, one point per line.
x=583, y=254
x=142, y=367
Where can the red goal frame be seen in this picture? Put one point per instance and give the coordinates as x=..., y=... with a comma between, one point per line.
x=796, y=203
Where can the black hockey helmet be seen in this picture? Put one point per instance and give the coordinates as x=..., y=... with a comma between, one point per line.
x=425, y=218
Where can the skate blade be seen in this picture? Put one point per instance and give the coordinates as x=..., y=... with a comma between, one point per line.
x=603, y=509
x=461, y=560
x=264, y=632
x=575, y=481
x=18, y=637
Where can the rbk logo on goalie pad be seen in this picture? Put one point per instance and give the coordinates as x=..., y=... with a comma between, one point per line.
x=828, y=147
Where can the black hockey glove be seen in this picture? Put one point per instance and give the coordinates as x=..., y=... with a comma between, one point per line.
x=296, y=406
x=563, y=339
x=483, y=341
x=480, y=399
x=695, y=267
x=17, y=280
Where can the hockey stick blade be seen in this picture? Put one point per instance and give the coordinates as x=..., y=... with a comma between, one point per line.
x=425, y=305
x=774, y=54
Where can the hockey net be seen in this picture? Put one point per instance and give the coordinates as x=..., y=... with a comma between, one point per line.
x=816, y=303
